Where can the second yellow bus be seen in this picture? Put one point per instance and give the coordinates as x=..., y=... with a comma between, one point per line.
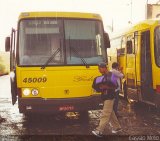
x=137, y=50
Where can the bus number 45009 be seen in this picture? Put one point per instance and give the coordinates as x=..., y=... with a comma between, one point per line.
x=35, y=80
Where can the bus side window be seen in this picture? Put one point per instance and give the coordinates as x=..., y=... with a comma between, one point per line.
x=121, y=51
x=129, y=47
x=123, y=44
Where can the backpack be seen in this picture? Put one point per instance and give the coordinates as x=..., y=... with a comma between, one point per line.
x=111, y=80
x=97, y=82
x=108, y=79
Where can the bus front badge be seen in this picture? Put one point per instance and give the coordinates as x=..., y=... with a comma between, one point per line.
x=66, y=92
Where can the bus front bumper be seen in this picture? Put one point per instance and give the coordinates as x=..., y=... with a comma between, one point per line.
x=41, y=105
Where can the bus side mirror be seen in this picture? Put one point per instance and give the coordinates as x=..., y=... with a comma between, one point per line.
x=129, y=47
x=7, y=44
x=106, y=40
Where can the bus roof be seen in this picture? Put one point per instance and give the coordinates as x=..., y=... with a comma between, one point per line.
x=139, y=26
x=26, y=15
x=146, y=24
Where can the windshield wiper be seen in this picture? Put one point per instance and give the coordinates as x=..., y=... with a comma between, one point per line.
x=50, y=58
x=82, y=59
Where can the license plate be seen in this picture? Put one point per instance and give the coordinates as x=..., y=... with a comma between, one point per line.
x=66, y=108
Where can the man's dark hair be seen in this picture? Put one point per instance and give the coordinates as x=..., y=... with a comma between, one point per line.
x=115, y=65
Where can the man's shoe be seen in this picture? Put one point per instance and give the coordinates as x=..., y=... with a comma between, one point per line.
x=117, y=130
x=97, y=133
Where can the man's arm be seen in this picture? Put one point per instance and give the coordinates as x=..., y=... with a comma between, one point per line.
x=117, y=73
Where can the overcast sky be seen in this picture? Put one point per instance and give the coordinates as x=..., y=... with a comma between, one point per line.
x=118, y=11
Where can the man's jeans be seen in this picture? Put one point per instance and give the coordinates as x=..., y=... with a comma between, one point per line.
x=107, y=116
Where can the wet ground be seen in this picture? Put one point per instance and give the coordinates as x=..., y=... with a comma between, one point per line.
x=137, y=120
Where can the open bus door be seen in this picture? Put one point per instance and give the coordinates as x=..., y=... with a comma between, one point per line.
x=146, y=68
x=131, y=65
x=10, y=46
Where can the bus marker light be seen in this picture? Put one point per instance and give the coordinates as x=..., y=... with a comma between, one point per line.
x=35, y=92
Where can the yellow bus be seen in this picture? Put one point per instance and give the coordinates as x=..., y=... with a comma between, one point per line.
x=54, y=57
x=137, y=50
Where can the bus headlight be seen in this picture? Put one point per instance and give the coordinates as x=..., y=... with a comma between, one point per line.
x=26, y=92
x=34, y=92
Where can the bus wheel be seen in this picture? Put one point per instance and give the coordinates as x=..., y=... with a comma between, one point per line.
x=22, y=109
x=28, y=116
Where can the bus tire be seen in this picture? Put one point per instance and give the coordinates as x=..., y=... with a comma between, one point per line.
x=22, y=109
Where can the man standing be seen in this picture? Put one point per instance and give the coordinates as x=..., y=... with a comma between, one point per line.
x=107, y=89
x=118, y=73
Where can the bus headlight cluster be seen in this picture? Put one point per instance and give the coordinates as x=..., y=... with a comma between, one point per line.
x=26, y=92
x=34, y=92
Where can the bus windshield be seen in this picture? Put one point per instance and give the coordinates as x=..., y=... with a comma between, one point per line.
x=40, y=38
x=157, y=45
